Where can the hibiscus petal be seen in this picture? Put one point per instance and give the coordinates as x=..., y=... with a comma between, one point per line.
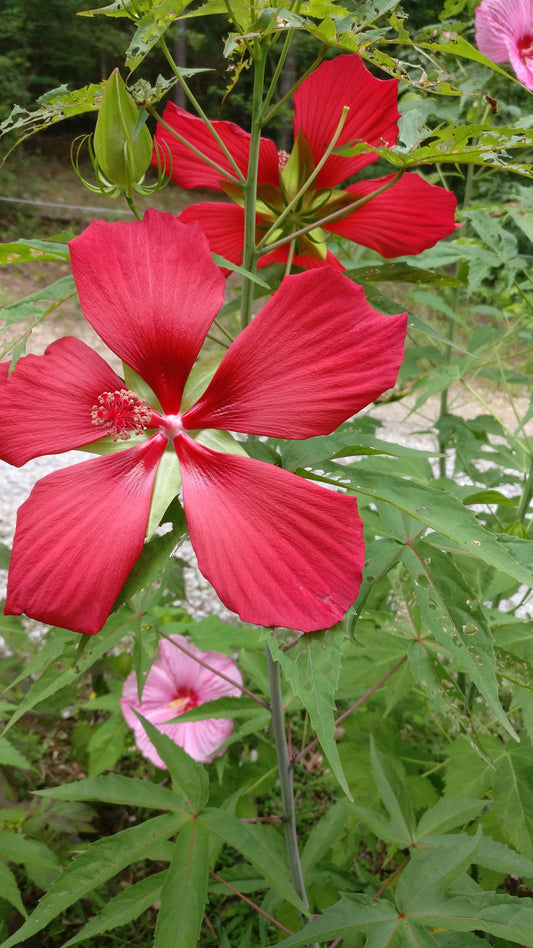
x=500, y=25
x=151, y=291
x=373, y=115
x=222, y=224
x=45, y=407
x=78, y=536
x=185, y=671
x=409, y=217
x=279, y=550
x=189, y=171
x=313, y=357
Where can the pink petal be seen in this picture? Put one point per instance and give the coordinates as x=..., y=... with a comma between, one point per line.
x=189, y=171
x=500, y=25
x=279, y=550
x=186, y=672
x=372, y=118
x=313, y=357
x=151, y=291
x=45, y=407
x=173, y=671
x=409, y=217
x=78, y=536
x=222, y=224
x=521, y=59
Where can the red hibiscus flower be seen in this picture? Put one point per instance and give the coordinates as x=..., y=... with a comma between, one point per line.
x=504, y=33
x=278, y=549
x=406, y=218
x=176, y=683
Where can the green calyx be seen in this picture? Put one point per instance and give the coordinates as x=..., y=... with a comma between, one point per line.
x=122, y=142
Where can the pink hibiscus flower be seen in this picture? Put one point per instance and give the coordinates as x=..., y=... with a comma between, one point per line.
x=176, y=683
x=504, y=33
x=407, y=218
x=278, y=549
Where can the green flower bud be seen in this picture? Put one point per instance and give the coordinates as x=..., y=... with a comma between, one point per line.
x=122, y=146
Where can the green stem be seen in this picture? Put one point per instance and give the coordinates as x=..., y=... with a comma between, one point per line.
x=250, y=188
x=285, y=780
x=133, y=207
x=199, y=111
x=527, y=494
x=444, y=405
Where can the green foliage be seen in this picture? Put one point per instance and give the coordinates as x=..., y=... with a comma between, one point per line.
x=411, y=722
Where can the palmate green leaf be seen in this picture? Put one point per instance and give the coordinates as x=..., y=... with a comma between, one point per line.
x=151, y=27
x=122, y=909
x=184, y=893
x=114, y=788
x=312, y=669
x=500, y=915
x=399, y=272
x=11, y=757
x=23, y=251
x=253, y=842
x=100, y=862
x=38, y=304
x=323, y=834
x=54, y=106
x=448, y=813
x=107, y=744
x=435, y=870
x=347, y=916
x=393, y=792
x=448, y=608
x=229, y=707
x=343, y=443
x=185, y=772
x=439, y=510
x=10, y=890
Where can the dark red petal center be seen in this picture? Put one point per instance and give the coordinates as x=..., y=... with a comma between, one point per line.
x=525, y=47
x=184, y=700
x=122, y=413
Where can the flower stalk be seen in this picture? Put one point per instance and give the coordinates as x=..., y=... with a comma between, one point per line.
x=285, y=781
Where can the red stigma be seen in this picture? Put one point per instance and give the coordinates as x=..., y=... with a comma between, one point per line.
x=122, y=413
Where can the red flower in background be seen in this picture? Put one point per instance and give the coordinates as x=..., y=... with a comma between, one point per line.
x=407, y=218
x=278, y=549
x=504, y=33
x=176, y=683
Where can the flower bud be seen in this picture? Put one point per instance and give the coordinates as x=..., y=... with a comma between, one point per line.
x=123, y=149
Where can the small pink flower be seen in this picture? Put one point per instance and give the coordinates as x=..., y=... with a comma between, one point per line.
x=504, y=33
x=176, y=683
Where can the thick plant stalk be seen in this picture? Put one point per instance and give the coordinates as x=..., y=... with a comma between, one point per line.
x=286, y=782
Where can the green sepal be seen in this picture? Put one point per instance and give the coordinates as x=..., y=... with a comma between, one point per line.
x=167, y=484
x=299, y=166
x=122, y=142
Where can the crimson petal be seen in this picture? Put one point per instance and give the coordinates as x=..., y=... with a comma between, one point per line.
x=222, y=224
x=313, y=357
x=409, y=217
x=190, y=171
x=45, y=407
x=373, y=115
x=78, y=536
x=279, y=550
x=151, y=291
